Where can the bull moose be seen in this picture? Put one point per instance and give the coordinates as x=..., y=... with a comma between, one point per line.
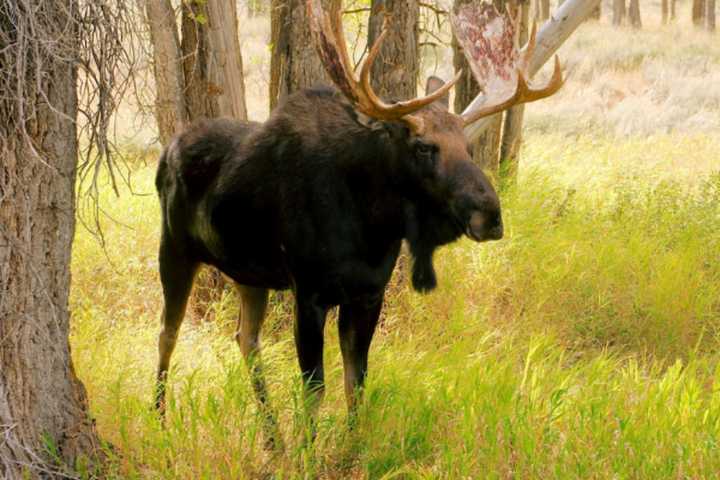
x=319, y=198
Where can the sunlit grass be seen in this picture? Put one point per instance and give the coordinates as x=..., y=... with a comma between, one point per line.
x=583, y=345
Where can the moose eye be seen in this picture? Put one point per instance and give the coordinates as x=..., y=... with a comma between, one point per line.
x=424, y=150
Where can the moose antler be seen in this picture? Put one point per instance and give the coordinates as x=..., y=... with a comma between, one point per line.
x=327, y=32
x=489, y=40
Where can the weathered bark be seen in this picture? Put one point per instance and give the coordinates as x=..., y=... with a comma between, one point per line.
x=512, y=127
x=698, y=12
x=41, y=398
x=618, y=12
x=664, y=11
x=710, y=15
x=170, y=110
x=550, y=37
x=294, y=63
x=226, y=58
x=634, y=14
x=395, y=71
x=486, y=147
x=200, y=91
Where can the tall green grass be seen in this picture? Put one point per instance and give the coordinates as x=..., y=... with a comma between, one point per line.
x=583, y=345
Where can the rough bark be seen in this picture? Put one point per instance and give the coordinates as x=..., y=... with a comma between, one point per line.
x=634, y=14
x=294, y=63
x=200, y=91
x=41, y=398
x=549, y=39
x=512, y=127
x=486, y=147
x=618, y=12
x=710, y=15
x=170, y=111
x=698, y=12
x=226, y=58
x=395, y=71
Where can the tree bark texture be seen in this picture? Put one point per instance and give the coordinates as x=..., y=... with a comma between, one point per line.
x=41, y=398
x=200, y=91
x=698, y=12
x=512, y=126
x=395, y=71
x=170, y=110
x=710, y=15
x=618, y=12
x=486, y=148
x=634, y=14
x=294, y=63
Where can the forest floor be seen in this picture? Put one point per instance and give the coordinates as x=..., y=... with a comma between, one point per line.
x=586, y=344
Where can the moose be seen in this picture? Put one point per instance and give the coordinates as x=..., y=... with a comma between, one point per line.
x=318, y=198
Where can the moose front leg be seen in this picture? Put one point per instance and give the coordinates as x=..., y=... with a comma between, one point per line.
x=309, y=331
x=356, y=326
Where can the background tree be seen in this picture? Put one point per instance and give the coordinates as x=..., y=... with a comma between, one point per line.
x=634, y=14
x=618, y=12
x=294, y=63
x=395, y=72
x=512, y=126
x=698, y=12
x=710, y=15
x=43, y=405
x=664, y=11
x=542, y=10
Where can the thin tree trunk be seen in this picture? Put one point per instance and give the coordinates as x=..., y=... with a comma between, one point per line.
x=698, y=12
x=170, y=110
x=200, y=91
x=545, y=10
x=710, y=15
x=294, y=63
x=226, y=58
x=41, y=399
x=634, y=14
x=512, y=128
x=664, y=10
x=618, y=12
x=395, y=71
x=672, y=10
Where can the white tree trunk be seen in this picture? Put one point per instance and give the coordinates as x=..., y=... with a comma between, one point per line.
x=551, y=36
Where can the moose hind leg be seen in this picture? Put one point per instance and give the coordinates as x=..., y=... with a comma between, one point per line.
x=176, y=275
x=252, y=314
x=356, y=326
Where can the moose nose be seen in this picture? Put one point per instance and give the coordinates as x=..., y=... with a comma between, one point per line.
x=485, y=226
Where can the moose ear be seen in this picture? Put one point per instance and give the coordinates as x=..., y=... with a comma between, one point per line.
x=434, y=83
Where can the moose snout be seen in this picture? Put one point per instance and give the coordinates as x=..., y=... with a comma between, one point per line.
x=485, y=225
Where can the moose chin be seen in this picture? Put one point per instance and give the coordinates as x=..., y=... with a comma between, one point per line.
x=318, y=200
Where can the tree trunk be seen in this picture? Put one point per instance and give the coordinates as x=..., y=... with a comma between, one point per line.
x=597, y=13
x=672, y=10
x=294, y=63
x=618, y=12
x=226, y=58
x=542, y=10
x=41, y=399
x=395, y=71
x=710, y=15
x=634, y=14
x=698, y=12
x=200, y=92
x=486, y=148
x=170, y=110
x=512, y=128
x=664, y=11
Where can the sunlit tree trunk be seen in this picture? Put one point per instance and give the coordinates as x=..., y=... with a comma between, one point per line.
x=42, y=402
x=618, y=12
x=170, y=112
x=395, y=71
x=634, y=14
x=698, y=12
x=664, y=11
x=710, y=15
